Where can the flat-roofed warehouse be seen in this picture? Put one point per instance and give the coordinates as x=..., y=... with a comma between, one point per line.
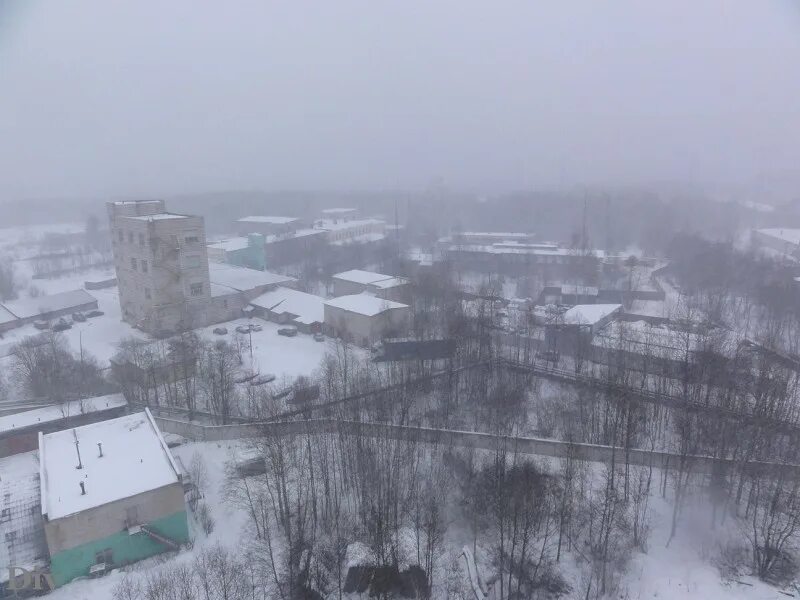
x=111, y=495
x=365, y=319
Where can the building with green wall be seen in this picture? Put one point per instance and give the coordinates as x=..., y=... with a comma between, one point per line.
x=246, y=251
x=111, y=495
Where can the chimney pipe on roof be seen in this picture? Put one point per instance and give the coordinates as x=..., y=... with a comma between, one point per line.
x=100, y=447
x=83, y=488
x=78, y=450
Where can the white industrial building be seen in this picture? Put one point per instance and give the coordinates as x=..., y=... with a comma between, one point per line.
x=383, y=286
x=365, y=319
x=784, y=242
x=111, y=494
x=165, y=281
x=291, y=307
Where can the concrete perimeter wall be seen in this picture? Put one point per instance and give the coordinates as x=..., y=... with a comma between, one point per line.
x=466, y=439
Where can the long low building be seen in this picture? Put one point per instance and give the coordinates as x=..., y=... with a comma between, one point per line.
x=365, y=319
x=44, y=308
x=19, y=431
x=383, y=286
x=292, y=307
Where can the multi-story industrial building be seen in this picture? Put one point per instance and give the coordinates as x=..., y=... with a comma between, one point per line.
x=162, y=265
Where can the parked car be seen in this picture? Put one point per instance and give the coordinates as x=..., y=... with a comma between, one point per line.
x=288, y=331
x=41, y=325
x=220, y=330
x=95, y=313
x=244, y=376
x=255, y=327
x=78, y=317
x=243, y=329
x=319, y=337
x=262, y=379
x=62, y=325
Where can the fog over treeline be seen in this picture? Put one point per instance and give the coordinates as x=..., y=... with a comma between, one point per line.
x=137, y=99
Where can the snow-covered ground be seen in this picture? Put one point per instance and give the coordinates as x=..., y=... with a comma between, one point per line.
x=683, y=569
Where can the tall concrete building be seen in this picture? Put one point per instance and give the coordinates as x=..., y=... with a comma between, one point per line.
x=162, y=266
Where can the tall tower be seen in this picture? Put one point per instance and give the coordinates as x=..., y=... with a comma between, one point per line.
x=162, y=266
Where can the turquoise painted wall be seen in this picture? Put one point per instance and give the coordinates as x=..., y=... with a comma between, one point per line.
x=75, y=562
x=252, y=256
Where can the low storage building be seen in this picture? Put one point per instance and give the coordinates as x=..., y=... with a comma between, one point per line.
x=19, y=432
x=383, y=286
x=45, y=308
x=365, y=319
x=292, y=307
x=111, y=494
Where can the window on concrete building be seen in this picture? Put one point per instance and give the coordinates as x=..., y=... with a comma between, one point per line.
x=141, y=239
x=121, y=235
x=147, y=293
x=192, y=239
x=130, y=237
x=144, y=266
x=196, y=289
x=133, y=264
x=193, y=261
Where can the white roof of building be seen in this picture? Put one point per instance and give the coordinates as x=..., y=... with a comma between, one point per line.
x=48, y=414
x=298, y=233
x=379, y=280
x=241, y=278
x=790, y=236
x=22, y=541
x=331, y=226
x=307, y=308
x=231, y=244
x=135, y=460
x=359, y=276
x=589, y=314
x=30, y=307
x=268, y=219
x=364, y=304
x=6, y=316
x=337, y=211
x=157, y=217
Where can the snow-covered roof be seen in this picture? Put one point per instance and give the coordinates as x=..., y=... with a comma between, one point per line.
x=6, y=316
x=364, y=304
x=790, y=236
x=48, y=414
x=359, y=276
x=272, y=238
x=135, y=460
x=231, y=244
x=22, y=540
x=307, y=308
x=378, y=280
x=331, y=226
x=589, y=314
x=243, y=279
x=337, y=211
x=268, y=219
x=157, y=217
x=30, y=307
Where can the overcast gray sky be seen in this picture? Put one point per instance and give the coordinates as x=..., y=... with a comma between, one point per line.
x=144, y=97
